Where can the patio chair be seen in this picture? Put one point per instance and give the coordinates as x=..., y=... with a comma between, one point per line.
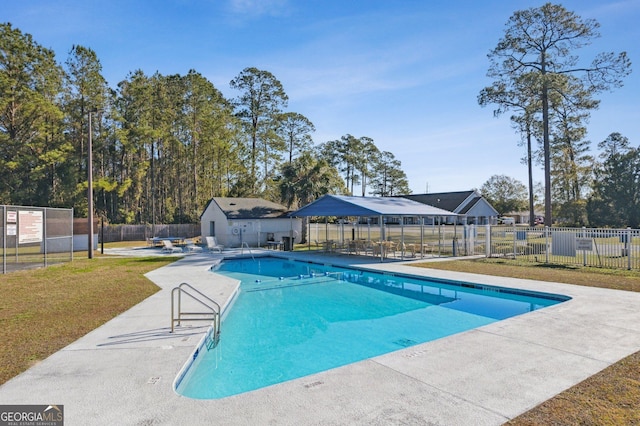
x=408, y=248
x=212, y=244
x=353, y=247
x=168, y=247
x=390, y=247
x=426, y=248
x=329, y=246
x=377, y=248
x=191, y=247
x=369, y=248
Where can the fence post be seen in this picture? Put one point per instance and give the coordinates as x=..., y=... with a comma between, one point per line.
x=71, y=227
x=627, y=247
x=546, y=244
x=487, y=239
x=44, y=213
x=4, y=239
x=515, y=244
x=584, y=252
x=468, y=239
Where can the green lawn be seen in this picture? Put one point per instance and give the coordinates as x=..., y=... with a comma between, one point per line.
x=43, y=310
x=611, y=397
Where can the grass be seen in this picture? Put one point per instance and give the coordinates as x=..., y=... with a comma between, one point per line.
x=44, y=310
x=607, y=398
x=591, y=277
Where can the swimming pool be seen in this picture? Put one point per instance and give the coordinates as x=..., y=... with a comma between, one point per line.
x=292, y=319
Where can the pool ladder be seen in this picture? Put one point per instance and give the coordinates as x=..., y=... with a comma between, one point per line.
x=242, y=246
x=211, y=312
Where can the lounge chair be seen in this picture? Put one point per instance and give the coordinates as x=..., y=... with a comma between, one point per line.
x=212, y=244
x=191, y=247
x=167, y=246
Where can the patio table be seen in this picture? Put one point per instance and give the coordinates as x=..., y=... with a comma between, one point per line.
x=179, y=241
x=275, y=245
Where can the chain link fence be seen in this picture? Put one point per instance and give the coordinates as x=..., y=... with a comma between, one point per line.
x=34, y=237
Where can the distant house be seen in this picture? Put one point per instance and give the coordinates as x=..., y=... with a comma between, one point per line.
x=254, y=221
x=523, y=217
x=474, y=208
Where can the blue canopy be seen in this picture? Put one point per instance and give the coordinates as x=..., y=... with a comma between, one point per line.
x=341, y=205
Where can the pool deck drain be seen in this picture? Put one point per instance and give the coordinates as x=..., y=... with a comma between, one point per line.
x=122, y=372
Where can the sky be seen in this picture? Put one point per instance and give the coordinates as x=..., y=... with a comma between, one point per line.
x=406, y=73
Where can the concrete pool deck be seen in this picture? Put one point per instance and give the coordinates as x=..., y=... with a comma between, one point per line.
x=122, y=373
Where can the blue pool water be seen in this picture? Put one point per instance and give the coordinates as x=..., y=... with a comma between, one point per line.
x=292, y=319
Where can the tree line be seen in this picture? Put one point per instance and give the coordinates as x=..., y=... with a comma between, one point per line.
x=163, y=145
x=538, y=77
x=612, y=189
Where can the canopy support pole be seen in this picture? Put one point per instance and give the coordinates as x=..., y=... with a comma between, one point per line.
x=422, y=237
x=402, y=237
x=382, y=238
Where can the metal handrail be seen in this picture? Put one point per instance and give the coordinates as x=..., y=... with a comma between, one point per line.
x=248, y=248
x=213, y=313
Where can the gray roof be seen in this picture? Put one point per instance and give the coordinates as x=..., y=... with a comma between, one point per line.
x=341, y=205
x=249, y=208
x=470, y=204
x=444, y=200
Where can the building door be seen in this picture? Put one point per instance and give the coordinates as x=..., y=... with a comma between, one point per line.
x=212, y=228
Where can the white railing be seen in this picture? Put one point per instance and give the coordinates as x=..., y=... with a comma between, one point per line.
x=598, y=247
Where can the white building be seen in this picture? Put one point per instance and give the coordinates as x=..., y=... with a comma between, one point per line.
x=234, y=221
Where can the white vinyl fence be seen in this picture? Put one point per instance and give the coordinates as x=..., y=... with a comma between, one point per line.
x=608, y=248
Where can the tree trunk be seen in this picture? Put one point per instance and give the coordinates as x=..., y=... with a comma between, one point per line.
x=547, y=150
x=532, y=215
